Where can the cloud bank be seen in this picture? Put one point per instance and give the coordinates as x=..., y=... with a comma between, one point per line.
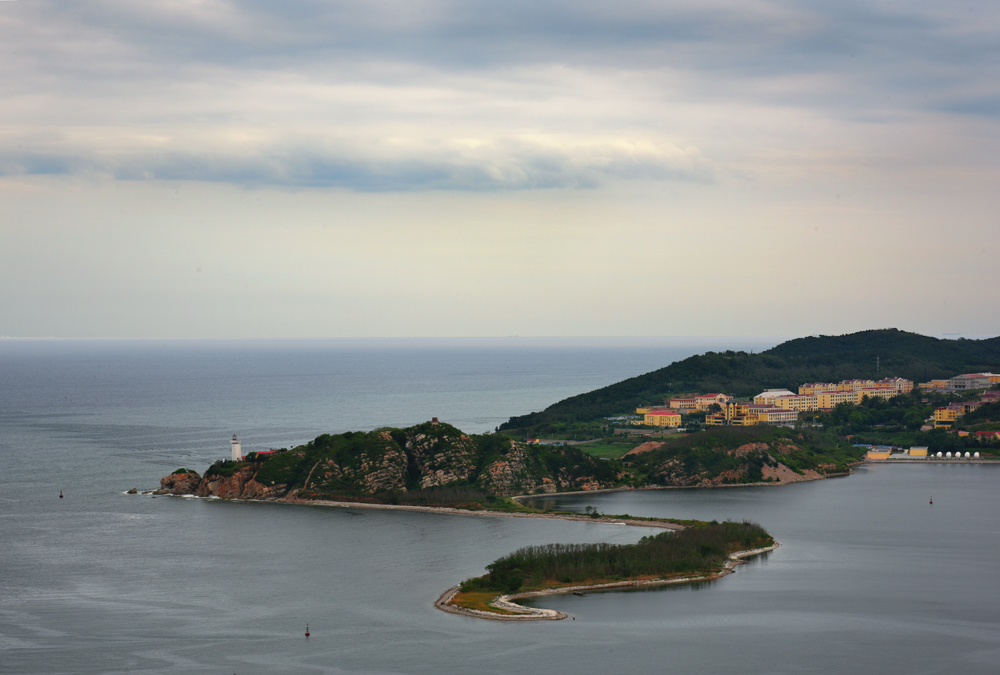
x=483, y=96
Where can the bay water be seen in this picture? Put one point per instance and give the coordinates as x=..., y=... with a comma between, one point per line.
x=870, y=577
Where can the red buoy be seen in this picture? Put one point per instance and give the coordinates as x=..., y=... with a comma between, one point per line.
x=60, y=494
x=307, y=630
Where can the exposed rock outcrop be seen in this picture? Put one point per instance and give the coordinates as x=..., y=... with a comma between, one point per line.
x=379, y=464
x=179, y=483
x=648, y=446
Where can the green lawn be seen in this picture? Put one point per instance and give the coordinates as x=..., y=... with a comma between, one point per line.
x=609, y=450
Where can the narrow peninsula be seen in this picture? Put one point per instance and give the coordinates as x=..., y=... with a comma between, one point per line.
x=700, y=552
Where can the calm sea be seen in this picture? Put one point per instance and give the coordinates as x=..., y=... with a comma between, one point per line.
x=870, y=578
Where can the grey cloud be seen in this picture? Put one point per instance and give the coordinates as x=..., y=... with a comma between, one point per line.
x=111, y=63
x=514, y=166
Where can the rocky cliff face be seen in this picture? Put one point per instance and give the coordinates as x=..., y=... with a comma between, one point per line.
x=239, y=485
x=385, y=462
x=179, y=483
x=441, y=458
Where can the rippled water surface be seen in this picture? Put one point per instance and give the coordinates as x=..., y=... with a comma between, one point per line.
x=870, y=578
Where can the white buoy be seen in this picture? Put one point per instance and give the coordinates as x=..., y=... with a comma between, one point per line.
x=237, y=449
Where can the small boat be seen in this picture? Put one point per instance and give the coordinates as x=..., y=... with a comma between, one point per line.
x=582, y=595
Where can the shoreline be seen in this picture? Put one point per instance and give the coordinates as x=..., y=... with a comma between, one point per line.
x=523, y=613
x=663, y=525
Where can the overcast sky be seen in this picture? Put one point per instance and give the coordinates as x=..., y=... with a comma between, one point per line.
x=203, y=168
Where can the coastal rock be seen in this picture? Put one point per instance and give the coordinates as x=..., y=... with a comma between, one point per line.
x=441, y=454
x=227, y=486
x=385, y=473
x=179, y=483
x=747, y=448
x=782, y=474
x=372, y=466
x=509, y=476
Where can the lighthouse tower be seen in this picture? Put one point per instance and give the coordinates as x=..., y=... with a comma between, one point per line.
x=237, y=449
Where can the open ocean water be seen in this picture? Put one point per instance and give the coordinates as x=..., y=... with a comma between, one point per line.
x=870, y=578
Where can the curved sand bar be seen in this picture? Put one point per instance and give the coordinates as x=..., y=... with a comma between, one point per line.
x=522, y=613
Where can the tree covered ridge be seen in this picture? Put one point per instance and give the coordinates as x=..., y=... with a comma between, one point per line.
x=809, y=359
x=694, y=550
x=432, y=462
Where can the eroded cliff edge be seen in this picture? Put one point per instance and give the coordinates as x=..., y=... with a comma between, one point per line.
x=398, y=466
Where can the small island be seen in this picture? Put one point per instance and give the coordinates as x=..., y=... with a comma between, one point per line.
x=699, y=552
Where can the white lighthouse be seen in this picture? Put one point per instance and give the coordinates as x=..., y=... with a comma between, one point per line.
x=237, y=449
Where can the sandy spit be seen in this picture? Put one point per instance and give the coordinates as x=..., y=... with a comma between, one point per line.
x=505, y=514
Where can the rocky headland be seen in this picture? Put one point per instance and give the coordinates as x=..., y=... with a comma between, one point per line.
x=429, y=463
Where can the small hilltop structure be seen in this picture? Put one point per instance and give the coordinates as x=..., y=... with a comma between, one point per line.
x=237, y=455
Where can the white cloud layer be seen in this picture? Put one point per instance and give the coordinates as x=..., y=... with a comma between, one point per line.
x=465, y=95
x=349, y=168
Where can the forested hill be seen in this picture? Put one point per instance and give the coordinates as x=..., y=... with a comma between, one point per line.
x=810, y=359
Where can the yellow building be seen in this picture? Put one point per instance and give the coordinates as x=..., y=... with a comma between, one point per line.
x=902, y=385
x=734, y=413
x=812, y=388
x=945, y=417
x=706, y=401
x=877, y=392
x=831, y=399
x=662, y=417
x=797, y=403
x=690, y=403
x=920, y=451
x=743, y=414
x=769, y=414
x=897, y=384
x=878, y=454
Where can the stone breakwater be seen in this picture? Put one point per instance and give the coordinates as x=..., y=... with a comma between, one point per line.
x=522, y=613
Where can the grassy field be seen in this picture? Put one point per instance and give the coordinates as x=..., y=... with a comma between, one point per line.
x=610, y=450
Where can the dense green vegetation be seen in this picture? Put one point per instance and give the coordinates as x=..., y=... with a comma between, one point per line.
x=739, y=454
x=223, y=467
x=811, y=359
x=695, y=550
x=429, y=463
x=984, y=414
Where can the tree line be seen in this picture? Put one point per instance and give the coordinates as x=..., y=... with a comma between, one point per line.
x=693, y=550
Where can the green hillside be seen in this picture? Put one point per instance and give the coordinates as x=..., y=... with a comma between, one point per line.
x=810, y=359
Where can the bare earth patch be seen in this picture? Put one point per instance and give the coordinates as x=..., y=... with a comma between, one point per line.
x=783, y=474
x=648, y=446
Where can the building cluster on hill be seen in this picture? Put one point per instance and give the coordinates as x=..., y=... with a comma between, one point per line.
x=946, y=416
x=963, y=382
x=828, y=395
x=781, y=406
x=774, y=406
x=670, y=415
